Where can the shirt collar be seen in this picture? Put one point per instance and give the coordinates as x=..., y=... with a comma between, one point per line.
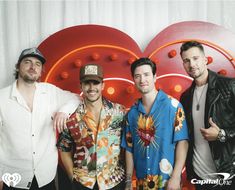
x=107, y=105
x=159, y=97
x=15, y=94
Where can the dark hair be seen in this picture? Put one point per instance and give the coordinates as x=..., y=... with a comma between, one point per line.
x=143, y=61
x=16, y=72
x=190, y=44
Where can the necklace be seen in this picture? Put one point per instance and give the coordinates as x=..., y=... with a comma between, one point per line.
x=199, y=99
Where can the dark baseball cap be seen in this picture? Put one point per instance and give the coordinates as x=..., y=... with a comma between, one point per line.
x=91, y=71
x=32, y=52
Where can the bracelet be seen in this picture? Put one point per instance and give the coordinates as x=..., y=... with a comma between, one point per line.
x=128, y=176
x=128, y=181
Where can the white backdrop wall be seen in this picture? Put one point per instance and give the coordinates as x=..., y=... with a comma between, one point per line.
x=26, y=24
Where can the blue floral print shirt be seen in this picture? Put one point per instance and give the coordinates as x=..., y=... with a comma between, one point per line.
x=152, y=138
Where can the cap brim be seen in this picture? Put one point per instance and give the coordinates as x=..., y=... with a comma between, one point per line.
x=42, y=59
x=89, y=78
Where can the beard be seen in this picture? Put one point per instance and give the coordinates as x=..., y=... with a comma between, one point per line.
x=145, y=90
x=199, y=72
x=29, y=79
x=196, y=75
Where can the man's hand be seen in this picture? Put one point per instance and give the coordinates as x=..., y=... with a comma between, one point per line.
x=59, y=121
x=212, y=132
x=173, y=184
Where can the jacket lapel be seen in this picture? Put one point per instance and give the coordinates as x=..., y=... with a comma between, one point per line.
x=211, y=96
x=190, y=105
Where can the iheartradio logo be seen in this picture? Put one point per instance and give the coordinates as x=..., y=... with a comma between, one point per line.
x=11, y=180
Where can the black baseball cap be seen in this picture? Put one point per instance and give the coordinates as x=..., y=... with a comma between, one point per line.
x=32, y=52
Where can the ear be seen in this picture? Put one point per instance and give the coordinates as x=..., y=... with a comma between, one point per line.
x=155, y=78
x=17, y=66
x=206, y=60
x=80, y=86
x=103, y=85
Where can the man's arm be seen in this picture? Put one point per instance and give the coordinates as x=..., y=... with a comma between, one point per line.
x=66, y=158
x=180, y=157
x=65, y=147
x=230, y=130
x=60, y=117
x=129, y=170
x=64, y=104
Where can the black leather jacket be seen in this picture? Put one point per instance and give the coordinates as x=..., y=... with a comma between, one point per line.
x=220, y=105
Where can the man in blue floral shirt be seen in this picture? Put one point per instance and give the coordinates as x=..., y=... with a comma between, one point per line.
x=155, y=135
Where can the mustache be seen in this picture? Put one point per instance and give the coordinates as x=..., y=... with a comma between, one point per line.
x=92, y=91
x=32, y=70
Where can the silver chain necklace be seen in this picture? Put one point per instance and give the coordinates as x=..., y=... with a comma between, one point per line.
x=198, y=100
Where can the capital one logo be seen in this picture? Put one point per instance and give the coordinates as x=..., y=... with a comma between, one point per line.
x=11, y=180
x=226, y=179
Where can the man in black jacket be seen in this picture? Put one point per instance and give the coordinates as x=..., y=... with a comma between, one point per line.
x=210, y=113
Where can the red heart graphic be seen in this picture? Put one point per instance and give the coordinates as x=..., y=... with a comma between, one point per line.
x=72, y=47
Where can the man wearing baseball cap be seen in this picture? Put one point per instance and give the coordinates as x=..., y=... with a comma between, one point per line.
x=90, y=146
x=28, y=155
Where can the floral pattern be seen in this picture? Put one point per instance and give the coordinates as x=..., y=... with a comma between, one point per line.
x=96, y=148
x=151, y=138
x=179, y=119
x=151, y=182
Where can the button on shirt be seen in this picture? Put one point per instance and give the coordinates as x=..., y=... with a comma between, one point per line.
x=27, y=139
x=151, y=138
x=97, y=148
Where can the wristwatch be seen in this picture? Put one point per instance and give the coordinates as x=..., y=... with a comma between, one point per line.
x=221, y=135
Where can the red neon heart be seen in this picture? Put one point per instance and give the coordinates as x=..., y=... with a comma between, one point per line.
x=72, y=47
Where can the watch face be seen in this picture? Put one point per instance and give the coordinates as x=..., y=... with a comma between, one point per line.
x=222, y=135
x=222, y=139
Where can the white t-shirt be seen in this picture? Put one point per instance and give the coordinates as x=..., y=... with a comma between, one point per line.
x=203, y=163
x=27, y=139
